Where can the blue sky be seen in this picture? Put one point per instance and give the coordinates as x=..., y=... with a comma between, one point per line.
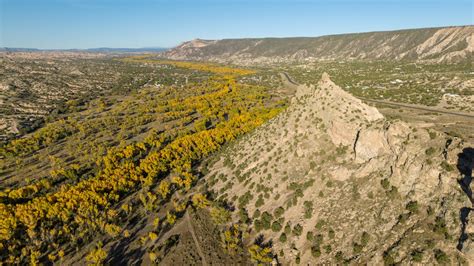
x=52, y=24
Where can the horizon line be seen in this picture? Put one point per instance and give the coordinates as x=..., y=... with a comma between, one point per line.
x=238, y=38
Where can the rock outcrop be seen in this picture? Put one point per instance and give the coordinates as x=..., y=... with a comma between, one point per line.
x=353, y=186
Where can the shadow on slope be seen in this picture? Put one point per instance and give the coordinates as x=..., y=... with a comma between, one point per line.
x=465, y=165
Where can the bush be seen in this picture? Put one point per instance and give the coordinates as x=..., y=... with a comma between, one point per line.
x=266, y=220
x=308, y=212
x=259, y=202
x=282, y=238
x=315, y=251
x=441, y=257
x=318, y=239
x=288, y=228
x=339, y=256
x=320, y=224
x=276, y=226
x=388, y=259
x=256, y=213
x=412, y=206
x=279, y=212
x=328, y=249
x=297, y=230
x=402, y=218
x=417, y=255
x=440, y=227
x=357, y=248
x=430, y=151
x=446, y=166
x=258, y=225
x=385, y=183
x=331, y=234
x=365, y=238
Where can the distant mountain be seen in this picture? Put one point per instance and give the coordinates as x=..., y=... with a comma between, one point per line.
x=125, y=50
x=11, y=49
x=445, y=44
x=91, y=50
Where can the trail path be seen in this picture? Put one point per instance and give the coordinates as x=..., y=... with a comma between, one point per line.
x=198, y=246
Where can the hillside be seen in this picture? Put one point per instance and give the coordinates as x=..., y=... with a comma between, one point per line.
x=331, y=180
x=193, y=162
x=447, y=44
x=111, y=180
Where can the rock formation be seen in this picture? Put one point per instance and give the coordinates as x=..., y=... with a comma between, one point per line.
x=353, y=185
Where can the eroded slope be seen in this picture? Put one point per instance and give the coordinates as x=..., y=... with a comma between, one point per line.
x=331, y=180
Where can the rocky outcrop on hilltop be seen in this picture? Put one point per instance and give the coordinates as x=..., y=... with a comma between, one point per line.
x=331, y=180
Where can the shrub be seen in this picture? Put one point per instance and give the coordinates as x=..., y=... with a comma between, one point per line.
x=446, y=166
x=279, y=212
x=282, y=238
x=331, y=233
x=297, y=230
x=308, y=212
x=441, y=257
x=320, y=224
x=412, y=206
x=258, y=225
x=365, y=238
x=339, y=256
x=266, y=220
x=256, y=214
x=288, y=228
x=357, y=248
x=328, y=249
x=388, y=259
x=402, y=218
x=385, y=183
x=370, y=195
x=440, y=227
x=276, y=226
x=430, y=151
x=318, y=239
x=243, y=215
x=417, y=255
x=315, y=251
x=259, y=202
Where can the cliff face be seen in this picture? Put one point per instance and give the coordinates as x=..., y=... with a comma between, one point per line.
x=449, y=44
x=331, y=180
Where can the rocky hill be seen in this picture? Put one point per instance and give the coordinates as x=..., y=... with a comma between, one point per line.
x=446, y=44
x=331, y=180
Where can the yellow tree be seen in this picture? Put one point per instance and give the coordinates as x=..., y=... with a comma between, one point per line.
x=200, y=201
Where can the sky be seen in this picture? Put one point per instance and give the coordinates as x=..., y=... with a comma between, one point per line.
x=66, y=24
